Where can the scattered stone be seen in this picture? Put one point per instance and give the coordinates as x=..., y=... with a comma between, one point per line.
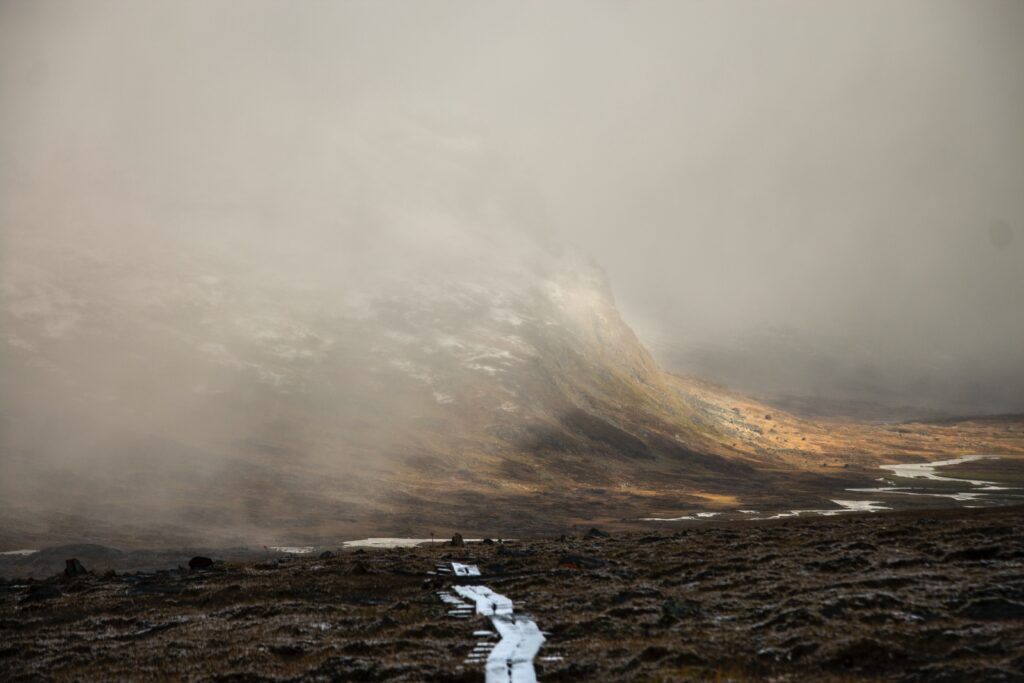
x=457, y=540
x=359, y=569
x=597, y=533
x=327, y=555
x=581, y=562
x=199, y=563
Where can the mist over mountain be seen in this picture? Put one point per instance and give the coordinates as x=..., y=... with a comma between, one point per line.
x=348, y=266
x=218, y=397
x=858, y=210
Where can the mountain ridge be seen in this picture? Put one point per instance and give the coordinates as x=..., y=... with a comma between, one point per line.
x=216, y=401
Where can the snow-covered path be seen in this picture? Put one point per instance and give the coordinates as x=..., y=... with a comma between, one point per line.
x=511, y=659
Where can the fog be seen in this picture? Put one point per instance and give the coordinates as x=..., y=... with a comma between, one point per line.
x=799, y=198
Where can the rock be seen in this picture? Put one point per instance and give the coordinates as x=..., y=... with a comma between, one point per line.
x=359, y=569
x=865, y=654
x=41, y=592
x=993, y=609
x=73, y=568
x=674, y=610
x=581, y=562
x=767, y=417
x=457, y=540
x=387, y=621
x=989, y=552
x=327, y=555
x=199, y=562
x=597, y=533
x=488, y=541
x=653, y=653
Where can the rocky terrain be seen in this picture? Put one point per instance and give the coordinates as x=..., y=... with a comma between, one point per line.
x=906, y=596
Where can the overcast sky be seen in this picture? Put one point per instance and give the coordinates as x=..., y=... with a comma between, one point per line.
x=799, y=197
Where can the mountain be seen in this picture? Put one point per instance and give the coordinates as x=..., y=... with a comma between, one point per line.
x=194, y=396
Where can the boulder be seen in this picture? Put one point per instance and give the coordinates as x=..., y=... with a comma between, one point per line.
x=73, y=568
x=457, y=540
x=580, y=562
x=674, y=610
x=199, y=562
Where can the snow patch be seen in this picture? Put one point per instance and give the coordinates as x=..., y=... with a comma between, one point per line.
x=510, y=660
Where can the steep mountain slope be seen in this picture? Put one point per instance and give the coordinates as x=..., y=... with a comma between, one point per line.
x=196, y=398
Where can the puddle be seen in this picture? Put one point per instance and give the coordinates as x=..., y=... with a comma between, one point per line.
x=979, y=489
x=927, y=470
x=398, y=542
x=860, y=505
x=510, y=659
x=293, y=549
x=933, y=484
x=22, y=553
x=844, y=506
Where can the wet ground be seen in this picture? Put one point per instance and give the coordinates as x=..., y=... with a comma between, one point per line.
x=964, y=481
x=908, y=596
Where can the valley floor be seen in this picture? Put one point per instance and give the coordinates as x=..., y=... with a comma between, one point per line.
x=917, y=595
